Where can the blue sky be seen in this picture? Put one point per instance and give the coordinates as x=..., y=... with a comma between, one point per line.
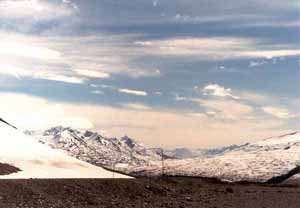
x=168, y=73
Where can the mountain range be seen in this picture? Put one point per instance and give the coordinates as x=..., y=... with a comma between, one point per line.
x=272, y=159
x=275, y=159
x=96, y=149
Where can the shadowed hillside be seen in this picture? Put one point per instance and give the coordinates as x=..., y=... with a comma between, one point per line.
x=6, y=169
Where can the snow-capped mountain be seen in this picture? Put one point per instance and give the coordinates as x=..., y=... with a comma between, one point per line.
x=98, y=150
x=275, y=159
x=35, y=160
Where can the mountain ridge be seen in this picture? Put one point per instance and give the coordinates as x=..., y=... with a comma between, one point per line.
x=35, y=160
x=96, y=149
x=255, y=162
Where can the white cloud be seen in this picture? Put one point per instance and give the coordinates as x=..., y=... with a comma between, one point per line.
x=137, y=73
x=194, y=19
x=199, y=115
x=58, y=58
x=220, y=48
x=94, y=85
x=80, y=56
x=18, y=72
x=97, y=92
x=180, y=98
x=208, y=47
x=36, y=9
x=136, y=106
x=211, y=113
x=257, y=63
x=218, y=91
x=133, y=92
x=59, y=78
x=28, y=49
x=67, y=1
x=255, y=97
x=12, y=70
x=152, y=127
x=107, y=87
x=194, y=46
x=143, y=43
x=276, y=23
x=269, y=54
x=45, y=113
x=93, y=74
x=281, y=113
x=185, y=18
x=155, y=3
x=227, y=109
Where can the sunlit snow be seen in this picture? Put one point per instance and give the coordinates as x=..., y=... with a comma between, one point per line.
x=40, y=161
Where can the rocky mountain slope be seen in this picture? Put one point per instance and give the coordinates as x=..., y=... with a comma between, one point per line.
x=270, y=160
x=122, y=154
x=91, y=147
x=31, y=159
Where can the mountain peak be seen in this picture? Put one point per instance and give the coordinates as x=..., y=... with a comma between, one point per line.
x=36, y=160
x=92, y=147
x=128, y=141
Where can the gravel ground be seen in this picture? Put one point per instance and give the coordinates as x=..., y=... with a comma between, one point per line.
x=125, y=193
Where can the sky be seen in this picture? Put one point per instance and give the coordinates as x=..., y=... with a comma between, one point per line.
x=169, y=73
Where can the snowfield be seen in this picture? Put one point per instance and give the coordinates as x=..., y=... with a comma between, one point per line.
x=254, y=162
x=40, y=161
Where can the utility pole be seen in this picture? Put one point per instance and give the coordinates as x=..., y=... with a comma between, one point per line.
x=162, y=162
x=113, y=172
x=131, y=156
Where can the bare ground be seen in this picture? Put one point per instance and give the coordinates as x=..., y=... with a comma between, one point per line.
x=160, y=193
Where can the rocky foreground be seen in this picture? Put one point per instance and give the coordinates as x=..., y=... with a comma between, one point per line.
x=160, y=193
